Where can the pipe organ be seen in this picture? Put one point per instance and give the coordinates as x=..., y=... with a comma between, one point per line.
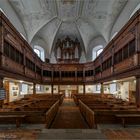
x=67, y=50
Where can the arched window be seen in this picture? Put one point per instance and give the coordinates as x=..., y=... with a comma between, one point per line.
x=96, y=51
x=135, y=10
x=40, y=52
x=99, y=51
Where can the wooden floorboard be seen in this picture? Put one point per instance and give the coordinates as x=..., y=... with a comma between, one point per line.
x=69, y=117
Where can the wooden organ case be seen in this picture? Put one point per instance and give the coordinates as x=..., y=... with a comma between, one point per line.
x=67, y=50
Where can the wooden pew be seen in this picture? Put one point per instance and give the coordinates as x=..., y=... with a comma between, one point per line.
x=88, y=114
x=38, y=109
x=51, y=113
x=124, y=117
x=18, y=118
x=106, y=110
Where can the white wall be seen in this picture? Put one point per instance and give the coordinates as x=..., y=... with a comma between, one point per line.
x=80, y=89
x=92, y=89
x=24, y=89
x=40, y=42
x=47, y=89
x=124, y=16
x=12, y=16
x=55, y=89
x=113, y=88
x=124, y=89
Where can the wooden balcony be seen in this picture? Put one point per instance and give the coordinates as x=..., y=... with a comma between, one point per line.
x=68, y=79
x=126, y=64
x=47, y=79
x=107, y=72
x=29, y=73
x=12, y=66
x=89, y=78
x=98, y=76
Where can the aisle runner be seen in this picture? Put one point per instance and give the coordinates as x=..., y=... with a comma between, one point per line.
x=69, y=117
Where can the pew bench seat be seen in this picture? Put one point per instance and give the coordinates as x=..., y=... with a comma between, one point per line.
x=124, y=117
x=17, y=118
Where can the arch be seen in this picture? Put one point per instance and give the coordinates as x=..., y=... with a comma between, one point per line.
x=135, y=10
x=23, y=36
x=96, y=51
x=92, y=48
x=40, y=52
x=99, y=51
x=3, y=12
x=113, y=35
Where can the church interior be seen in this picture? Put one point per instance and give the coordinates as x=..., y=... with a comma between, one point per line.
x=70, y=69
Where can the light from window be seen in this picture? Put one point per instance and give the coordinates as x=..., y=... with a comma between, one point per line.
x=23, y=36
x=135, y=10
x=38, y=87
x=99, y=51
x=37, y=52
x=40, y=52
x=114, y=35
x=96, y=51
x=3, y=12
x=98, y=87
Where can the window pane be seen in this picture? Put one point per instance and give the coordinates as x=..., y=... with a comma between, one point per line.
x=99, y=51
x=37, y=52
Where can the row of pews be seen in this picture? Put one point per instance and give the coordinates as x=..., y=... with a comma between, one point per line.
x=32, y=109
x=105, y=109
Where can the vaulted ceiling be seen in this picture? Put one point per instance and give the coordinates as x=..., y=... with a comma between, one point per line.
x=53, y=19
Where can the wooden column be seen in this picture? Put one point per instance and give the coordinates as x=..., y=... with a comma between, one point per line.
x=1, y=86
x=138, y=91
x=58, y=89
x=1, y=41
x=84, y=89
x=102, y=88
x=77, y=89
x=34, y=89
x=136, y=33
x=52, y=88
x=1, y=82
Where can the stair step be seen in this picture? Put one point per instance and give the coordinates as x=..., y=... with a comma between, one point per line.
x=71, y=134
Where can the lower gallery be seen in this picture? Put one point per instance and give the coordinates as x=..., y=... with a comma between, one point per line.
x=69, y=98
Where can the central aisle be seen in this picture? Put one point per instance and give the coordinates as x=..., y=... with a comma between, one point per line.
x=69, y=117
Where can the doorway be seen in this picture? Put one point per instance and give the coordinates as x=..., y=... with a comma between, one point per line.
x=68, y=90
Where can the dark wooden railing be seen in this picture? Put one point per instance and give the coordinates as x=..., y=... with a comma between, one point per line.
x=121, y=55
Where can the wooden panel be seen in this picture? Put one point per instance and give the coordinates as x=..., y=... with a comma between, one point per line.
x=29, y=73
x=124, y=65
x=47, y=79
x=91, y=78
x=12, y=66
x=97, y=76
x=107, y=72
x=127, y=38
x=68, y=79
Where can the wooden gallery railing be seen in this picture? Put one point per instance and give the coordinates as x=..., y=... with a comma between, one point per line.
x=17, y=58
x=119, y=59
